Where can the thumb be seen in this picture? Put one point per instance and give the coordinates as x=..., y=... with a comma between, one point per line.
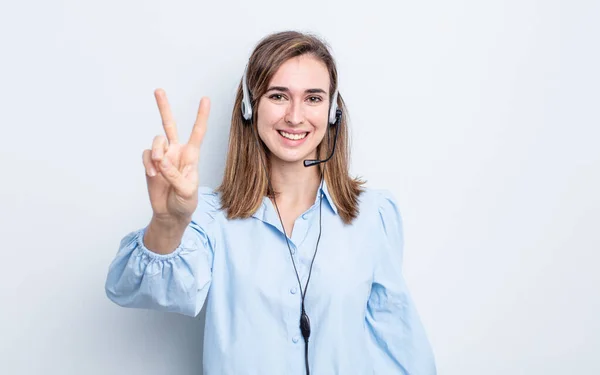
x=181, y=185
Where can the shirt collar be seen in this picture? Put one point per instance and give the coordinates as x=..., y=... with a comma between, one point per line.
x=325, y=191
x=271, y=215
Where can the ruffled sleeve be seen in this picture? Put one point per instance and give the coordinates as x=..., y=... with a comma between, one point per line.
x=400, y=343
x=176, y=282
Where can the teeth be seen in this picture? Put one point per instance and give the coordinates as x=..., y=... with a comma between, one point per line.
x=293, y=137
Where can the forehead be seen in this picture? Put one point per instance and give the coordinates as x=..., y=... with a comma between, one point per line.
x=301, y=73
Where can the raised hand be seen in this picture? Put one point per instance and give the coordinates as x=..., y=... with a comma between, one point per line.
x=172, y=167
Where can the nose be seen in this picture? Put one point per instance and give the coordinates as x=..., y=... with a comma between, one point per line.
x=294, y=114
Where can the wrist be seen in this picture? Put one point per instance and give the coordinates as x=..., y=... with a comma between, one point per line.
x=169, y=223
x=164, y=236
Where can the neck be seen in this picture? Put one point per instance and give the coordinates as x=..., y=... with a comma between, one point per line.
x=295, y=184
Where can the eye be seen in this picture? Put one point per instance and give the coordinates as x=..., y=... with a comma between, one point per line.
x=315, y=99
x=276, y=97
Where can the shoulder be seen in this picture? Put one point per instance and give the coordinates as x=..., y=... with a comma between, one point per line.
x=384, y=219
x=209, y=197
x=381, y=201
x=209, y=206
x=380, y=208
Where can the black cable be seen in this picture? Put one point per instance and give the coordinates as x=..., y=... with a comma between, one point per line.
x=304, y=320
x=306, y=357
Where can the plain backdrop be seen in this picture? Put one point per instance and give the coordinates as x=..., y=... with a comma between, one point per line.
x=481, y=117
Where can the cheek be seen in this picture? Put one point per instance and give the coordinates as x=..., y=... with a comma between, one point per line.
x=318, y=116
x=269, y=113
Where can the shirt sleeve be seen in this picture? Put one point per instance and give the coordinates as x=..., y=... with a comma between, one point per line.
x=399, y=339
x=175, y=282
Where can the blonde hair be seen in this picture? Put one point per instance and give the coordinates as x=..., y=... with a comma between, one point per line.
x=244, y=182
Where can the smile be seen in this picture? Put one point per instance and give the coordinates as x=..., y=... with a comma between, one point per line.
x=293, y=137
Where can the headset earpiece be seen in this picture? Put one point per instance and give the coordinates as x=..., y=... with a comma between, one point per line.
x=333, y=108
x=246, y=102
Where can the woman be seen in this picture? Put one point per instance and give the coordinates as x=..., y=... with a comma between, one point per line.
x=300, y=266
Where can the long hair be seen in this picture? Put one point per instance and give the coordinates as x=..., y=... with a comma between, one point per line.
x=244, y=182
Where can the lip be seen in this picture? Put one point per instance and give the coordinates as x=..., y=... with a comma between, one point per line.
x=292, y=142
x=293, y=131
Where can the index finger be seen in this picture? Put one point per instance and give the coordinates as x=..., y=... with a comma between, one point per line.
x=200, y=125
x=165, y=113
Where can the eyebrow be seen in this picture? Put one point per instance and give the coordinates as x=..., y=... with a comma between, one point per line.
x=285, y=89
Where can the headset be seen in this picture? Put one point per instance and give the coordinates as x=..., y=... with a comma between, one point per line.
x=335, y=116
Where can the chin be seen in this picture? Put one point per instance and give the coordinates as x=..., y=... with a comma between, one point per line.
x=290, y=159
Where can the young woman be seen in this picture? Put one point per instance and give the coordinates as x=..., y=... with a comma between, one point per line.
x=298, y=263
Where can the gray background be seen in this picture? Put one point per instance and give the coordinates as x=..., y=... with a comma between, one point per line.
x=481, y=118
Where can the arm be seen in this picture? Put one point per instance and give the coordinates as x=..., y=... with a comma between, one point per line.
x=177, y=281
x=399, y=339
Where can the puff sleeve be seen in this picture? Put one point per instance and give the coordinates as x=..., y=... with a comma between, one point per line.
x=175, y=282
x=399, y=340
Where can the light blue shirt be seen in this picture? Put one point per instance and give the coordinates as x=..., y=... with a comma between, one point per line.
x=363, y=320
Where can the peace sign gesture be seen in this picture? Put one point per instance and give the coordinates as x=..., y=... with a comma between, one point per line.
x=172, y=167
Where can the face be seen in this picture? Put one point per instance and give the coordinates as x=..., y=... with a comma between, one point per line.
x=292, y=115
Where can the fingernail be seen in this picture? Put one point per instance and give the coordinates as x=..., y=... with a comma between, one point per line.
x=152, y=172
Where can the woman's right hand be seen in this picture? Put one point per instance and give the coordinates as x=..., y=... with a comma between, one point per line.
x=172, y=167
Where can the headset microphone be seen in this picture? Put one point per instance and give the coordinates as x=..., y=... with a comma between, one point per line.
x=311, y=162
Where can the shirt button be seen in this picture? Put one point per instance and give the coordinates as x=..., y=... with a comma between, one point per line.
x=293, y=290
x=305, y=216
x=296, y=339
